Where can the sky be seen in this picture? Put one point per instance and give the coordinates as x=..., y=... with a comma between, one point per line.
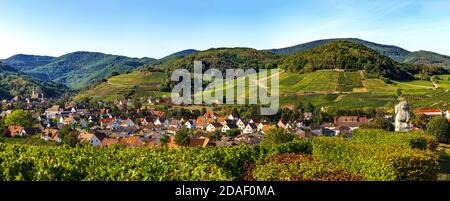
x=151, y=28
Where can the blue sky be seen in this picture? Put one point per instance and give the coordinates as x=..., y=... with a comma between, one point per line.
x=153, y=28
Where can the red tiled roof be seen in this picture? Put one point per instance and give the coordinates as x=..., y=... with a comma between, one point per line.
x=427, y=111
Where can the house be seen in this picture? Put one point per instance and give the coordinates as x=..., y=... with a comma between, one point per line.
x=281, y=123
x=52, y=112
x=210, y=114
x=127, y=123
x=174, y=123
x=132, y=141
x=284, y=124
x=249, y=138
x=199, y=142
x=107, y=142
x=157, y=122
x=228, y=126
x=15, y=131
x=51, y=134
x=307, y=115
x=201, y=121
x=123, y=101
x=146, y=121
x=350, y=121
x=190, y=124
x=109, y=123
x=232, y=117
x=214, y=126
x=240, y=124
x=430, y=112
x=84, y=124
x=89, y=138
x=250, y=128
x=67, y=120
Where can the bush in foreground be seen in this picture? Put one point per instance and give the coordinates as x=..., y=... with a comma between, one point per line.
x=439, y=127
x=24, y=162
x=299, y=167
x=417, y=140
x=386, y=162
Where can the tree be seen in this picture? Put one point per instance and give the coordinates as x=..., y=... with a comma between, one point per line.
x=216, y=135
x=164, y=140
x=182, y=138
x=439, y=127
x=19, y=118
x=68, y=135
x=233, y=132
x=278, y=136
x=419, y=120
x=379, y=123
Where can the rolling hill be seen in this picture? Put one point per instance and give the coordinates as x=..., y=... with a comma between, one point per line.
x=176, y=55
x=224, y=58
x=14, y=82
x=25, y=62
x=77, y=69
x=391, y=51
x=136, y=84
x=347, y=56
x=428, y=58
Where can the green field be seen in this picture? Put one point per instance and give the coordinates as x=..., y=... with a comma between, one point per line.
x=444, y=81
x=133, y=84
x=320, y=82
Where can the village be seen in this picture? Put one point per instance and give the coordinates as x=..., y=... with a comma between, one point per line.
x=150, y=127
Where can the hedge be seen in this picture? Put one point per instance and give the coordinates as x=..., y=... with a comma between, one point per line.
x=416, y=140
x=299, y=167
x=25, y=162
x=386, y=162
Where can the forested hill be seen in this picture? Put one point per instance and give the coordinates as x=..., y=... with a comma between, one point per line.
x=77, y=69
x=391, y=51
x=14, y=82
x=345, y=55
x=428, y=58
x=25, y=62
x=224, y=58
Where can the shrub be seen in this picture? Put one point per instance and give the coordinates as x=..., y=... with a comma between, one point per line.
x=385, y=162
x=22, y=162
x=299, y=167
x=439, y=127
x=277, y=136
x=416, y=140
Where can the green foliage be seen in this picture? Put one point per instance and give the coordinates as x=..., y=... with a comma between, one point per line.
x=233, y=132
x=34, y=140
x=379, y=123
x=15, y=83
x=183, y=137
x=20, y=118
x=216, y=135
x=345, y=55
x=79, y=69
x=69, y=135
x=419, y=120
x=393, y=52
x=224, y=58
x=377, y=162
x=20, y=162
x=278, y=136
x=439, y=127
x=164, y=140
x=428, y=58
x=417, y=140
x=298, y=167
